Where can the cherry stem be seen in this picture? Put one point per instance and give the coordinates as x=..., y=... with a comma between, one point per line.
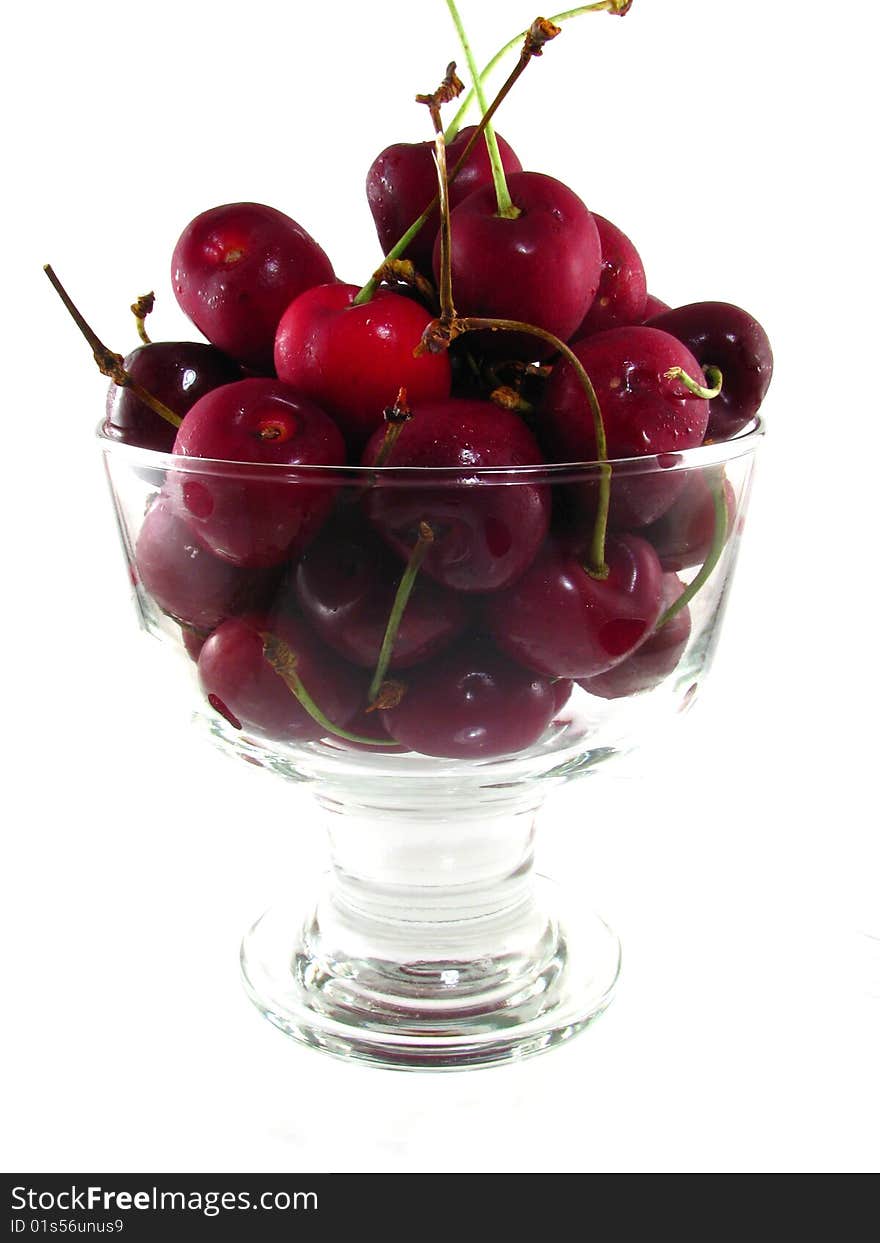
x=713, y=376
x=597, y=567
x=450, y=87
x=419, y=223
x=509, y=399
x=110, y=364
x=616, y=7
x=396, y=417
x=403, y=272
x=140, y=310
x=401, y=599
x=507, y=209
x=282, y=660
x=719, y=538
x=389, y=696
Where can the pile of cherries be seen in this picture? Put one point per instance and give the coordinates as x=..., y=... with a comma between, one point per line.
x=441, y=613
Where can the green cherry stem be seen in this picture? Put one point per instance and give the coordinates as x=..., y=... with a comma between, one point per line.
x=507, y=209
x=401, y=599
x=713, y=375
x=719, y=538
x=616, y=7
x=437, y=336
x=528, y=51
x=111, y=365
x=282, y=660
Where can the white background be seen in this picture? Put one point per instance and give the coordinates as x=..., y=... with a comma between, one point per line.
x=735, y=141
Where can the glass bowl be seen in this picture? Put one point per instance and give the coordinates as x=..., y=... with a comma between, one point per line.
x=516, y=667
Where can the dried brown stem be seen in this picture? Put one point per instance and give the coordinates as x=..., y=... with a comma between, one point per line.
x=140, y=310
x=110, y=364
x=396, y=417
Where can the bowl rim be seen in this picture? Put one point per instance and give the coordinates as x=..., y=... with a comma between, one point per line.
x=708, y=454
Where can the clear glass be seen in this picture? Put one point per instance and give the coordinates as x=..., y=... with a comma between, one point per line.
x=432, y=943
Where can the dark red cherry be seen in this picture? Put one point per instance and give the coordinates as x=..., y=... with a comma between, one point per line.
x=657, y=657
x=236, y=268
x=352, y=360
x=653, y=306
x=485, y=534
x=183, y=577
x=562, y=688
x=193, y=642
x=178, y=373
x=683, y=535
x=369, y=723
x=643, y=412
x=471, y=703
x=722, y=335
x=542, y=268
x=345, y=585
x=243, y=687
x=402, y=181
x=559, y=620
x=623, y=292
x=244, y=514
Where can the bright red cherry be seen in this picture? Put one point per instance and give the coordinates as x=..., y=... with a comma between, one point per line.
x=722, y=335
x=245, y=515
x=623, y=292
x=486, y=534
x=183, y=577
x=243, y=687
x=236, y=268
x=345, y=585
x=542, y=268
x=644, y=412
x=352, y=360
x=683, y=535
x=178, y=373
x=471, y=703
x=402, y=181
x=561, y=621
x=657, y=657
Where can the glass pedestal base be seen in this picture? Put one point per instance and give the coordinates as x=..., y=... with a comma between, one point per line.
x=344, y=983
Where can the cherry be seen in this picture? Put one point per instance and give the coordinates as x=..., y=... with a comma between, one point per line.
x=243, y=687
x=246, y=516
x=623, y=292
x=653, y=306
x=484, y=537
x=402, y=181
x=721, y=335
x=236, y=268
x=193, y=642
x=644, y=412
x=657, y=657
x=541, y=267
x=562, y=688
x=183, y=577
x=561, y=621
x=471, y=703
x=345, y=585
x=682, y=536
x=178, y=373
x=370, y=723
x=353, y=359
